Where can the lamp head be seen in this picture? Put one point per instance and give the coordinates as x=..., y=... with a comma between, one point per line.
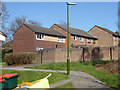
x=68, y=3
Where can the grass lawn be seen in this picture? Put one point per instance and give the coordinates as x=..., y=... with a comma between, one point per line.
x=88, y=67
x=29, y=76
x=2, y=63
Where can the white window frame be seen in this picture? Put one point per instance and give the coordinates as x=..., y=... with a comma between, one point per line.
x=38, y=48
x=60, y=39
x=89, y=41
x=75, y=38
x=81, y=39
x=41, y=36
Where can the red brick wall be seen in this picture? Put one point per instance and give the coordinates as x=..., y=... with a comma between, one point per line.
x=24, y=40
x=76, y=54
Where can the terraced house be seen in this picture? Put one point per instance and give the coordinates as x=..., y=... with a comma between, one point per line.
x=78, y=38
x=31, y=38
x=106, y=38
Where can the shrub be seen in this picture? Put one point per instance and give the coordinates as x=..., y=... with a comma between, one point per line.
x=5, y=51
x=20, y=58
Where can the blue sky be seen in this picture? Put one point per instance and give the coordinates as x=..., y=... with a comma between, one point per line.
x=84, y=15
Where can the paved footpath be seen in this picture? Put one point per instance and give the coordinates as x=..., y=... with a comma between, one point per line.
x=79, y=79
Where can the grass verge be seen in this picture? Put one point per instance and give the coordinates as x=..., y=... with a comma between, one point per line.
x=30, y=76
x=88, y=67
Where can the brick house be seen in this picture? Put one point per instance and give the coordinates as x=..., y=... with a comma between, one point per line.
x=106, y=38
x=77, y=37
x=31, y=38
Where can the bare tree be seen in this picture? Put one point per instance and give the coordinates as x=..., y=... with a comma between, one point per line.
x=15, y=24
x=4, y=16
x=36, y=23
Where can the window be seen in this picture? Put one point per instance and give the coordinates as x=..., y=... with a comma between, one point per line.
x=89, y=41
x=56, y=45
x=81, y=39
x=75, y=38
x=54, y=28
x=39, y=48
x=40, y=37
x=93, y=41
x=60, y=39
x=115, y=38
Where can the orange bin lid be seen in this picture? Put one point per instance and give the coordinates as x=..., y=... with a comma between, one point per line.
x=2, y=79
x=9, y=75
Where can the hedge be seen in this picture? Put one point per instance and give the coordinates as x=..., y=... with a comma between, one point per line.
x=20, y=58
x=5, y=51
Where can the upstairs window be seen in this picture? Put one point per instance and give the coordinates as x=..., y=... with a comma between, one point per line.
x=115, y=38
x=60, y=39
x=40, y=37
x=93, y=41
x=81, y=39
x=75, y=38
x=54, y=28
x=89, y=41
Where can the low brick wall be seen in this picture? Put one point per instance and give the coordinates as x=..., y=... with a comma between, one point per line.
x=78, y=54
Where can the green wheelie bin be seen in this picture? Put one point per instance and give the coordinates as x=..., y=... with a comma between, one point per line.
x=9, y=81
x=2, y=83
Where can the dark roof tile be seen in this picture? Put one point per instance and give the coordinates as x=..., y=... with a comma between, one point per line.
x=78, y=32
x=44, y=30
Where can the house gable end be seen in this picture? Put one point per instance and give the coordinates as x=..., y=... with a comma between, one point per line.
x=58, y=28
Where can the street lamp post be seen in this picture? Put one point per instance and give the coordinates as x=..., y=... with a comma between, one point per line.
x=68, y=59
x=0, y=13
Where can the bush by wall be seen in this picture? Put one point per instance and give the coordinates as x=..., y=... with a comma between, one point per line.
x=20, y=58
x=5, y=51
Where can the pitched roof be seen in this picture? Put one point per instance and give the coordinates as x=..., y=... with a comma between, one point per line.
x=78, y=32
x=107, y=30
x=44, y=30
x=2, y=33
